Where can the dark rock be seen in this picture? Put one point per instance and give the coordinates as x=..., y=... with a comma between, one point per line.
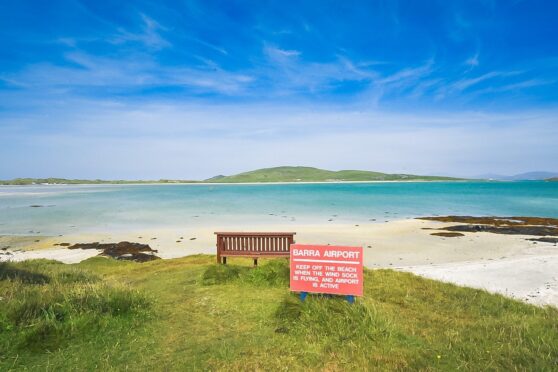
x=545, y=240
x=508, y=230
x=496, y=221
x=448, y=234
x=121, y=251
x=538, y=226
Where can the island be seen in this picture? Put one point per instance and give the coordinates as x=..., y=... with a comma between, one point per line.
x=276, y=174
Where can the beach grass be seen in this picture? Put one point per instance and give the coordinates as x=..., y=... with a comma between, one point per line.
x=191, y=314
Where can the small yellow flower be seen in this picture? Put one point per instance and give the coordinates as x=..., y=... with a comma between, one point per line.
x=439, y=356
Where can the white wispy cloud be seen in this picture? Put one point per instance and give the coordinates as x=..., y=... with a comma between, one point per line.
x=407, y=75
x=516, y=86
x=473, y=61
x=170, y=140
x=132, y=71
x=467, y=84
x=280, y=56
x=209, y=45
x=149, y=35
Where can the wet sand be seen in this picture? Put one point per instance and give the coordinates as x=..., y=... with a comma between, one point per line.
x=507, y=264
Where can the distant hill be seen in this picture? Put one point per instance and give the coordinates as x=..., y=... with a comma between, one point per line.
x=309, y=174
x=64, y=181
x=553, y=179
x=528, y=176
x=278, y=174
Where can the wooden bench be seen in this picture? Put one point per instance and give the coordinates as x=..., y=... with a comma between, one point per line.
x=253, y=245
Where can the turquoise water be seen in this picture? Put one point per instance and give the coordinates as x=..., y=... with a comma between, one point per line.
x=119, y=207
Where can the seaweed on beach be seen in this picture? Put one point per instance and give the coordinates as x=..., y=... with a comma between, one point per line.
x=122, y=251
x=448, y=234
x=496, y=221
x=545, y=240
x=537, y=226
x=508, y=230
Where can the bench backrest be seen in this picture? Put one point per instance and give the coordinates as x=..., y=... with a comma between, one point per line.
x=261, y=242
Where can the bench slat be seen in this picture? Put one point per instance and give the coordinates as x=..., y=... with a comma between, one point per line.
x=253, y=244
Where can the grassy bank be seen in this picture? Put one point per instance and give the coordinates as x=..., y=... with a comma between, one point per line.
x=189, y=314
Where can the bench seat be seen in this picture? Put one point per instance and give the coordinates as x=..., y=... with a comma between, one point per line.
x=253, y=245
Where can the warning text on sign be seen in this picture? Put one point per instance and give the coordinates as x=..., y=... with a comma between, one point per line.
x=326, y=269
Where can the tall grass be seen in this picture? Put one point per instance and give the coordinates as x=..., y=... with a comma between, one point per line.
x=235, y=317
x=44, y=303
x=322, y=316
x=274, y=273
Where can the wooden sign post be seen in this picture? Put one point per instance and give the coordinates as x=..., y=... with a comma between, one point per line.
x=326, y=269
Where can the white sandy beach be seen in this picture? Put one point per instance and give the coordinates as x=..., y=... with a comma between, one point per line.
x=506, y=264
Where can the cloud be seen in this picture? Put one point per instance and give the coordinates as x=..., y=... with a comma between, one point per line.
x=281, y=57
x=473, y=61
x=210, y=46
x=408, y=75
x=148, y=36
x=89, y=72
x=458, y=87
x=195, y=140
x=516, y=86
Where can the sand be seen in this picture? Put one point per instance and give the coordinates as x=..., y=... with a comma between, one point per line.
x=530, y=278
x=506, y=264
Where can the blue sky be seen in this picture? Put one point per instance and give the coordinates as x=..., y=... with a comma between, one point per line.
x=190, y=89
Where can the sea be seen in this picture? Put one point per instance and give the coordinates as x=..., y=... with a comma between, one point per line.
x=62, y=209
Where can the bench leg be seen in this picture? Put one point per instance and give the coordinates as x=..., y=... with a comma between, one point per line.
x=255, y=262
x=225, y=260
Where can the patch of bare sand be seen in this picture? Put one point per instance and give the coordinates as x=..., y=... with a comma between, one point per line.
x=531, y=278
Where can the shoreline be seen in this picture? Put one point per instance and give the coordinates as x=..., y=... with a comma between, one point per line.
x=477, y=260
x=252, y=183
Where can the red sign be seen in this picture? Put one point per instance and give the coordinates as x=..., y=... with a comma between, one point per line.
x=326, y=269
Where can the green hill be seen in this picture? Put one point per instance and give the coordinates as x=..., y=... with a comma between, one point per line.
x=309, y=174
x=553, y=179
x=191, y=314
x=277, y=174
x=65, y=181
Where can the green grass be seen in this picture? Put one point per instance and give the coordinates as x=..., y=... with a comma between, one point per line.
x=190, y=314
x=308, y=174
x=65, y=181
